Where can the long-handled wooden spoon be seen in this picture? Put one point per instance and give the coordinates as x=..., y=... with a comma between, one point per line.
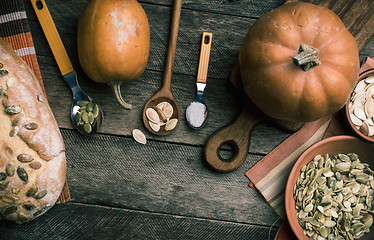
x=165, y=94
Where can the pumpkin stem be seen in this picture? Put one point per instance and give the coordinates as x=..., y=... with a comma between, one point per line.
x=306, y=58
x=116, y=86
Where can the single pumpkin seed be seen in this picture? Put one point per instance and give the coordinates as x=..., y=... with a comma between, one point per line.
x=139, y=136
x=1, y=65
x=85, y=116
x=9, y=169
x=87, y=127
x=95, y=111
x=35, y=165
x=28, y=206
x=25, y=158
x=31, y=126
x=91, y=118
x=13, y=109
x=2, y=176
x=4, y=185
x=82, y=109
x=152, y=115
x=171, y=124
x=160, y=114
x=8, y=199
x=3, y=72
x=90, y=106
x=82, y=103
x=22, y=217
x=10, y=210
x=41, y=194
x=14, y=131
x=22, y=174
x=8, y=152
x=31, y=192
x=78, y=118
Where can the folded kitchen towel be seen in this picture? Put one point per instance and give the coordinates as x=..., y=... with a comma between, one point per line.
x=14, y=28
x=269, y=176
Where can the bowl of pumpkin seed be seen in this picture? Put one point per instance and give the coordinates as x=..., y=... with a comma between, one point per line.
x=329, y=192
x=360, y=107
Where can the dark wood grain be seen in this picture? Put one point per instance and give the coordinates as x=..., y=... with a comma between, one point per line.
x=162, y=190
x=73, y=221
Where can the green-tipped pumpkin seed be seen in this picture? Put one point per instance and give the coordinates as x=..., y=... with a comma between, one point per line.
x=91, y=118
x=22, y=174
x=84, y=116
x=41, y=194
x=78, y=118
x=95, y=111
x=90, y=106
x=4, y=185
x=25, y=158
x=9, y=169
x=28, y=206
x=2, y=176
x=13, y=109
x=31, y=126
x=82, y=109
x=87, y=127
x=31, y=192
x=3, y=72
x=82, y=103
x=10, y=210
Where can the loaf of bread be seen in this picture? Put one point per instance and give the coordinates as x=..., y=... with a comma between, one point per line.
x=32, y=153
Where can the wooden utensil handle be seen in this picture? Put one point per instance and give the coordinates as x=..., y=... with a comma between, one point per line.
x=169, y=64
x=206, y=43
x=237, y=134
x=52, y=36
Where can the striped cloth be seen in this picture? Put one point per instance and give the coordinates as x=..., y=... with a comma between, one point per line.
x=14, y=28
x=269, y=176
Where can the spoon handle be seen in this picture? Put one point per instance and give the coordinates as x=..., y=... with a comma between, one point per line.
x=52, y=36
x=177, y=6
x=206, y=44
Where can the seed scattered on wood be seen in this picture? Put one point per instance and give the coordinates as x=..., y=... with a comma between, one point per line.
x=139, y=136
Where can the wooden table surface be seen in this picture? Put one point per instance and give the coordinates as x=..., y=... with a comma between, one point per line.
x=121, y=189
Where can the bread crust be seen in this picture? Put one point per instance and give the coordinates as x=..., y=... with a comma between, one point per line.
x=32, y=152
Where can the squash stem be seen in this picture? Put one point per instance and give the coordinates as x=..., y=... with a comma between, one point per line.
x=116, y=86
x=306, y=58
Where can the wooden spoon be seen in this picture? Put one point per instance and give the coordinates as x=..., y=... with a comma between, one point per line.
x=165, y=94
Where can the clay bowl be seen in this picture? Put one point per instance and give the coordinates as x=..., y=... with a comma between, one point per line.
x=362, y=76
x=332, y=145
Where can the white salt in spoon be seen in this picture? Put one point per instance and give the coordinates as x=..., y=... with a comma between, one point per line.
x=197, y=111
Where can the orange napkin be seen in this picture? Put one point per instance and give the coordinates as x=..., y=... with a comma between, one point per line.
x=269, y=176
x=14, y=28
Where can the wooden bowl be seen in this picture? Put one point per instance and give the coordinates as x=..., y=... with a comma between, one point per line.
x=350, y=123
x=332, y=145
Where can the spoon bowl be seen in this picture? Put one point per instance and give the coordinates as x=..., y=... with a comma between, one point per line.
x=158, y=98
x=165, y=94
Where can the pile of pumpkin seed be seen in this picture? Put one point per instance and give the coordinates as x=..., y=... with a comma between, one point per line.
x=334, y=197
x=159, y=117
x=86, y=115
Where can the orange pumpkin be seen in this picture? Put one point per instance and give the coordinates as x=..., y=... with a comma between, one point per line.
x=299, y=63
x=113, y=42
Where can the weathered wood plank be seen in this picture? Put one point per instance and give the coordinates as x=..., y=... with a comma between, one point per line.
x=82, y=221
x=159, y=177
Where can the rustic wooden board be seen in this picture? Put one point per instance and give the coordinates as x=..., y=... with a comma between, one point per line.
x=82, y=221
